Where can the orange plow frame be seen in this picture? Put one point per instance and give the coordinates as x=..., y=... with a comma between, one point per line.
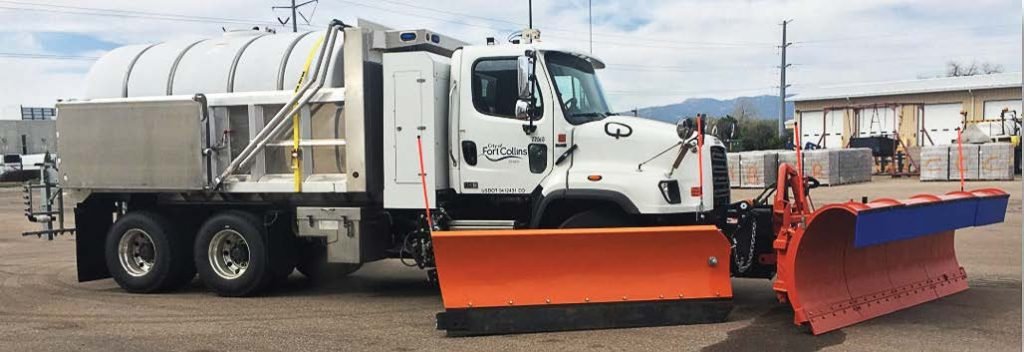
x=512, y=281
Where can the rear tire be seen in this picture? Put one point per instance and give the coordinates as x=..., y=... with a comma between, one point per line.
x=597, y=218
x=145, y=253
x=231, y=254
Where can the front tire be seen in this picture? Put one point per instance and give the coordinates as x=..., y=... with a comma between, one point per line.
x=596, y=218
x=146, y=253
x=231, y=254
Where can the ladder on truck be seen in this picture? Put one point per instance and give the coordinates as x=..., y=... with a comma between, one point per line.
x=49, y=210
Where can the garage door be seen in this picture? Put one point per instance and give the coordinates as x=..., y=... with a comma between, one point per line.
x=940, y=123
x=876, y=122
x=834, y=128
x=825, y=130
x=811, y=127
x=992, y=110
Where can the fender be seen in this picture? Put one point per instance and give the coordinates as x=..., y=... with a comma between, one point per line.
x=540, y=203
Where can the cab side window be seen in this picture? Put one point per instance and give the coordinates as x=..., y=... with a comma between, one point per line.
x=495, y=87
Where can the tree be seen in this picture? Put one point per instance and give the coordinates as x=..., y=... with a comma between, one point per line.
x=743, y=109
x=959, y=69
x=753, y=133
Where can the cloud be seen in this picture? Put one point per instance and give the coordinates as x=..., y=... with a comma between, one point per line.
x=71, y=43
x=658, y=51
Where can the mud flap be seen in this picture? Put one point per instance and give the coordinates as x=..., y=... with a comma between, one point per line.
x=518, y=281
x=853, y=261
x=93, y=219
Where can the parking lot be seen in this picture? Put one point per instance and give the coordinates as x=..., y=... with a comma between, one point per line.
x=386, y=306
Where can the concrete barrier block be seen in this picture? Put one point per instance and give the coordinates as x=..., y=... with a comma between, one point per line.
x=995, y=161
x=970, y=162
x=758, y=168
x=934, y=163
x=735, y=172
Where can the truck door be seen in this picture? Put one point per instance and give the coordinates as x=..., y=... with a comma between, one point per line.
x=497, y=156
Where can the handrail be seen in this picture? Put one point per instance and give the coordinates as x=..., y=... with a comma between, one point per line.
x=299, y=100
x=277, y=125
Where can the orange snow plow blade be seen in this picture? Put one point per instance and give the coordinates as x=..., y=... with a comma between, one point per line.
x=517, y=281
x=855, y=261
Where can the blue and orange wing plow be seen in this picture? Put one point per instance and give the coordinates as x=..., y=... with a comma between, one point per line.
x=855, y=261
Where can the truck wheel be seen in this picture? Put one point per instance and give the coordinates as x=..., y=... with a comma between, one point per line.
x=315, y=267
x=147, y=253
x=597, y=218
x=231, y=254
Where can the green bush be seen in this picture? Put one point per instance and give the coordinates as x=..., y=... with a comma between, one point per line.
x=757, y=134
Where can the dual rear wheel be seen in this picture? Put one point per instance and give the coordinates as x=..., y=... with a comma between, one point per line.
x=233, y=252
x=146, y=252
x=232, y=256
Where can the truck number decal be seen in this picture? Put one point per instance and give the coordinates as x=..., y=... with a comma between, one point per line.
x=503, y=190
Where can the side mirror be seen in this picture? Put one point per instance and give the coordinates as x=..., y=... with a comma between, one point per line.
x=524, y=71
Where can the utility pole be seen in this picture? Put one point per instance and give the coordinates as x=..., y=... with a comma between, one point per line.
x=590, y=21
x=529, y=3
x=295, y=13
x=782, y=80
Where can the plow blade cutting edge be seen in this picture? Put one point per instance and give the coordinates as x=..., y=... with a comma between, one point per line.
x=856, y=261
x=517, y=281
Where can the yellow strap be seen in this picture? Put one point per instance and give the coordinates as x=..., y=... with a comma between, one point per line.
x=296, y=159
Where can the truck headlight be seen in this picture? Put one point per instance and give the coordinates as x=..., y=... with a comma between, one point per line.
x=670, y=191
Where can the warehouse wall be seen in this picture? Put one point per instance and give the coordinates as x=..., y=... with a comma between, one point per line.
x=40, y=136
x=972, y=101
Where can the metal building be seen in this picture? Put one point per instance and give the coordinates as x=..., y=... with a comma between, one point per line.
x=28, y=136
x=917, y=112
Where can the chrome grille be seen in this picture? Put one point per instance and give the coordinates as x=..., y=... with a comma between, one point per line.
x=720, y=176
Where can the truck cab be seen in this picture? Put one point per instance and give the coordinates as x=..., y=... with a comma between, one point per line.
x=531, y=139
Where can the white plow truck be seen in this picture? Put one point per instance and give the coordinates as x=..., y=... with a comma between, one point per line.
x=245, y=156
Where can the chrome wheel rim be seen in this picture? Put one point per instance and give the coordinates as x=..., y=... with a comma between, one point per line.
x=136, y=252
x=228, y=254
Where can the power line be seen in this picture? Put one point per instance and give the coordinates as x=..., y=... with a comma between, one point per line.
x=80, y=10
x=92, y=11
x=428, y=16
x=975, y=54
x=875, y=36
x=559, y=29
x=632, y=43
x=295, y=13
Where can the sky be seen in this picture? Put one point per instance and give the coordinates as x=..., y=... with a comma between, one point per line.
x=658, y=52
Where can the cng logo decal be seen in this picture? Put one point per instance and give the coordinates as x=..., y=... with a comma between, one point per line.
x=618, y=130
x=500, y=152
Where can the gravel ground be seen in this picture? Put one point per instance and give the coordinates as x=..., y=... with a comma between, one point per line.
x=386, y=306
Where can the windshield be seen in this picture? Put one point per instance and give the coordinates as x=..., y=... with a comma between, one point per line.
x=578, y=90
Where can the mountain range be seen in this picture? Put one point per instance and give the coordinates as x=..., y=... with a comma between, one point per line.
x=761, y=106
